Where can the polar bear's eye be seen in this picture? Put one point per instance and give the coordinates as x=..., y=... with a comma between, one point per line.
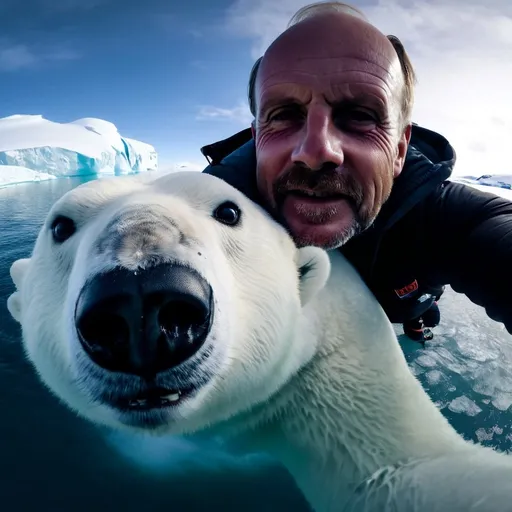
x=227, y=213
x=62, y=228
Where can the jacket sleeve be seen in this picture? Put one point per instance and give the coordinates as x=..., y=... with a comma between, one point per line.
x=469, y=235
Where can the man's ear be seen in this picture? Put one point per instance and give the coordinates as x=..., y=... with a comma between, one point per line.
x=403, y=144
x=408, y=132
x=253, y=128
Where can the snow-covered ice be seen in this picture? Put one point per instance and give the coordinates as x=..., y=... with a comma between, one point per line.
x=464, y=405
x=17, y=174
x=33, y=148
x=499, y=184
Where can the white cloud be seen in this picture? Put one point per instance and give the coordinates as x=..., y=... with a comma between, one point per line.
x=260, y=20
x=201, y=65
x=196, y=33
x=462, y=56
x=14, y=57
x=71, y=5
x=239, y=113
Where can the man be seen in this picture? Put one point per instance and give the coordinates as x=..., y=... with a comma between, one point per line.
x=333, y=155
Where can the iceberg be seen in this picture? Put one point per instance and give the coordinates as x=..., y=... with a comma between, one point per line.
x=10, y=174
x=33, y=148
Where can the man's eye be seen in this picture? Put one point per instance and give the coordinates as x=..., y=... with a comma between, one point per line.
x=355, y=119
x=361, y=115
x=285, y=114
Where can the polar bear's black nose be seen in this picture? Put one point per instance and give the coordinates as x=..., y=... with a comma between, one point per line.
x=144, y=322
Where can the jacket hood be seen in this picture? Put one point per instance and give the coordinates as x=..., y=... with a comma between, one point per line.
x=429, y=161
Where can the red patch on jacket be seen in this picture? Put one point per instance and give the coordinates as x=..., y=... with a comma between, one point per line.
x=407, y=290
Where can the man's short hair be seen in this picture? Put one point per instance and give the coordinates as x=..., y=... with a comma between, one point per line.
x=318, y=8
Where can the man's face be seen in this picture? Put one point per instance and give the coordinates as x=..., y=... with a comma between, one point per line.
x=328, y=133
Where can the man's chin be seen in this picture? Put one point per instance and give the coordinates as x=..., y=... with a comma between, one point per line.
x=325, y=223
x=326, y=236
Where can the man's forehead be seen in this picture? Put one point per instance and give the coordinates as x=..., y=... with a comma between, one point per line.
x=338, y=33
x=331, y=44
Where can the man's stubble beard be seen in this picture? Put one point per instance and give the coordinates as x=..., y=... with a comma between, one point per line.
x=332, y=181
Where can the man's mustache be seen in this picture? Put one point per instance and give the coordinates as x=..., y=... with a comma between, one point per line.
x=327, y=181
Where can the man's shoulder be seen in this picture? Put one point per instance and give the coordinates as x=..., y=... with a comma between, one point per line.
x=216, y=152
x=453, y=196
x=234, y=161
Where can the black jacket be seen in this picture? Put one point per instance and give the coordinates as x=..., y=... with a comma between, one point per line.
x=430, y=232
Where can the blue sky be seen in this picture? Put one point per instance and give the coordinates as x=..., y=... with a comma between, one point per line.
x=174, y=73
x=156, y=69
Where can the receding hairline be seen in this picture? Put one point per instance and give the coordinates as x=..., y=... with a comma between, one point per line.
x=313, y=10
x=321, y=9
x=363, y=33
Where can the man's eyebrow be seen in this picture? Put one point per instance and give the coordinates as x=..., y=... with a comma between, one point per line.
x=269, y=103
x=359, y=99
x=353, y=100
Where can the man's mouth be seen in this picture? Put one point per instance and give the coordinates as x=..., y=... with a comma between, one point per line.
x=320, y=196
x=306, y=207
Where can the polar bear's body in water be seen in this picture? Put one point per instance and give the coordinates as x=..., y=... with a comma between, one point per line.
x=177, y=305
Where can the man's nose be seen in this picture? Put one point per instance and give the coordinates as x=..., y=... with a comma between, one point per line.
x=320, y=142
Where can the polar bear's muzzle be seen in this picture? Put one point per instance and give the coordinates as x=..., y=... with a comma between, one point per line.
x=146, y=322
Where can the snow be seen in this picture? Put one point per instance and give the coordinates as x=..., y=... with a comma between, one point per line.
x=33, y=148
x=463, y=405
x=487, y=435
x=16, y=174
x=499, y=184
x=426, y=361
x=183, y=166
x=434, y=377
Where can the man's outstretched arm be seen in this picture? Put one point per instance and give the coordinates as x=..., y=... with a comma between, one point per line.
x=469, y=236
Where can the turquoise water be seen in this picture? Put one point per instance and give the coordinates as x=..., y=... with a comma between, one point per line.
x=467, y=370
x=52, y=460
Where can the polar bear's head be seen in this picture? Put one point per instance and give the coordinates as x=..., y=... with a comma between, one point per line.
x=164, y=305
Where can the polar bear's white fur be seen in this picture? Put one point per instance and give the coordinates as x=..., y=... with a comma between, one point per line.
x=300, y=360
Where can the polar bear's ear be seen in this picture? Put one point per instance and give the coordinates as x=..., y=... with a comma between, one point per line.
x=17, y=271
x=14, y=306
x=314, y=269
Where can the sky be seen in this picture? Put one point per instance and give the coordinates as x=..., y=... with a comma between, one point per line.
x=174, y=74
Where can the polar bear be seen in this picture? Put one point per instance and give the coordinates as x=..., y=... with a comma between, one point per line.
x=176, y=306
